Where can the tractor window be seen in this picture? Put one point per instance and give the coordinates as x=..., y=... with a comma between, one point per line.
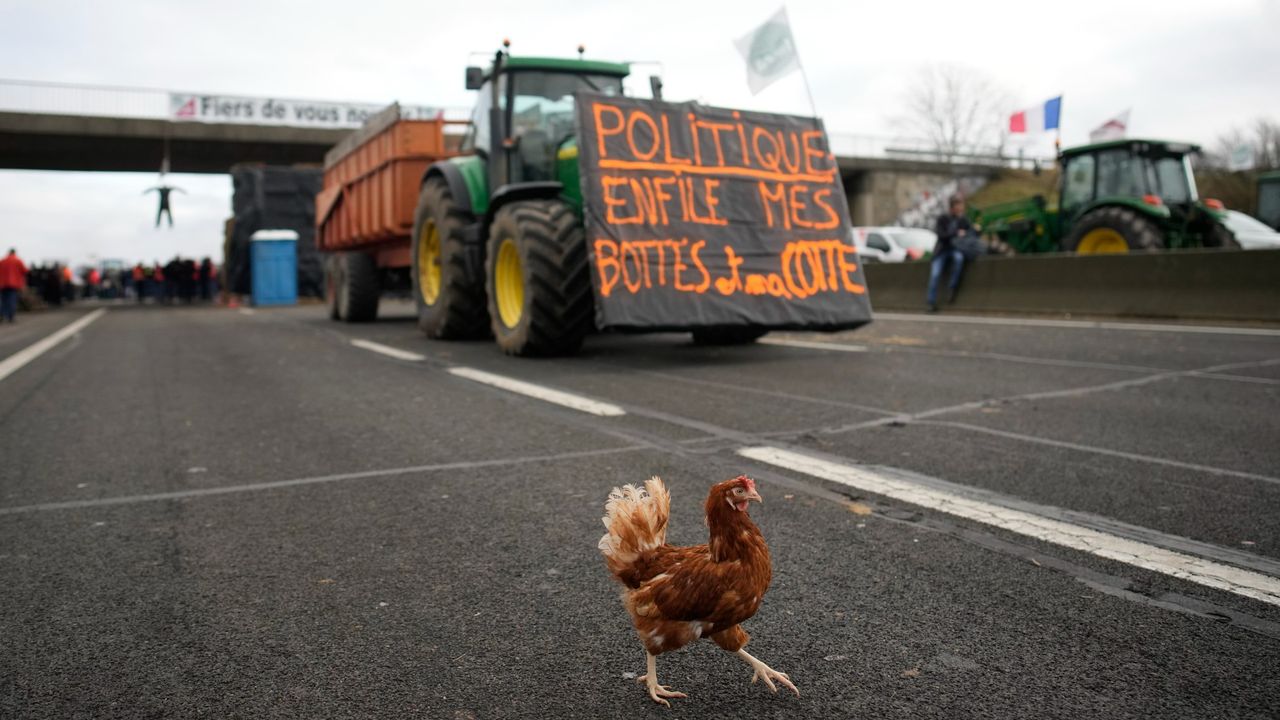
x=1169, y=180
x=478, y=137
x=1119, y=173
x=544, y=101
x=542, y=114
x=1077, y=188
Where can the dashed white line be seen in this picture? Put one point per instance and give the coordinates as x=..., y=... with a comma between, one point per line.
x=388, y=350
x=1081, y=324
x=1142, y=555
x=811, y=345
x=546, y=394
x=248, y=311
x=16, y=361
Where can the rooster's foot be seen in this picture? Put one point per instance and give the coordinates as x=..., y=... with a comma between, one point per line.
x=657, y=692
x=767, y=674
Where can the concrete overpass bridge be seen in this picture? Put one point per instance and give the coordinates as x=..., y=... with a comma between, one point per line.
x=49, y=126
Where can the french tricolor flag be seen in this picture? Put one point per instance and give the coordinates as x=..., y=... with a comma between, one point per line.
x=1037, y=119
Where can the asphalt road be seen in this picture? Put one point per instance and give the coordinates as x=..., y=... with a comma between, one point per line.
x=215, y=513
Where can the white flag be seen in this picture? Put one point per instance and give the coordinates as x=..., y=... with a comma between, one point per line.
x=769, y=51
x=1113, y=129
x=1241, y=158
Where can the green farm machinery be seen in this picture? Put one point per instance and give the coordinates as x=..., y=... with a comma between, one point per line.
x=1114, y=197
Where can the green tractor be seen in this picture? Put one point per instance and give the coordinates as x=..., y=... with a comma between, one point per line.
x=497, y=244
x=1269, y=198
x=1114, y=197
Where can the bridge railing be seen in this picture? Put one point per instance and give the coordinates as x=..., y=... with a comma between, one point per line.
x=27, y=96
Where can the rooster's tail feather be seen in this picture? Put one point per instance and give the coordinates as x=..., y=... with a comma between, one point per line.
x=636, y=522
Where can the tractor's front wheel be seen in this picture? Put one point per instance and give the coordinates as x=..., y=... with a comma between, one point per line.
x=536, y=279
x=1112, y=230
x=1218, y=236
x=447, y=290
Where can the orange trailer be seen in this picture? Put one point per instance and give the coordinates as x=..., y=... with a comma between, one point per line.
x=364, y=212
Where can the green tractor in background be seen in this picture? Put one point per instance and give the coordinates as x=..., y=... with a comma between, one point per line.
x=1114, y=197
x=498, y=244
x=1269, y=198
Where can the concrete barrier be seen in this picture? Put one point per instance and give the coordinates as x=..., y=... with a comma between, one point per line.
x=1191, y=284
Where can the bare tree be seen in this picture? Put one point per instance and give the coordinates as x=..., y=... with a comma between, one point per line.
x=1263, y=136
x=958, y=109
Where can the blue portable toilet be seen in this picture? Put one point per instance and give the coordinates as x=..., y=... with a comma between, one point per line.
x=273, y=266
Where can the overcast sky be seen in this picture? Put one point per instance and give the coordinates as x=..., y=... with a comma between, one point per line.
x=1187, y=69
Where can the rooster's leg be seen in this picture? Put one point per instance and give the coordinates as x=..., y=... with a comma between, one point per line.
x=766, y=673
x=656, y=691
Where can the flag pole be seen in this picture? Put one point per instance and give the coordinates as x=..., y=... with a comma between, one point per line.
x=795, y=48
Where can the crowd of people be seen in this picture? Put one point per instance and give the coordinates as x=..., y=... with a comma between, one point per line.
x=181, y=280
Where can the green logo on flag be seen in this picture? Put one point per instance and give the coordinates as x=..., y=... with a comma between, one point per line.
x=771, y=50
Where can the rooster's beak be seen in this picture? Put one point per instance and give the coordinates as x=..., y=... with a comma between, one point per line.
x=753, y=495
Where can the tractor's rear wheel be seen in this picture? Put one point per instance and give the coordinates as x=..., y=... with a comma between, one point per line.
x=356, y=288
x=536, y=279
x=733, y=335
x=1112, y=230
x=447, y=290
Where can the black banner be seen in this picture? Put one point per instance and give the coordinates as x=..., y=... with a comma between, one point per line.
x=699, y=216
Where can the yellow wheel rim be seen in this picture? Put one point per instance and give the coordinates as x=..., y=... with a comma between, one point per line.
x=508, y=284
x=429, y=263
x=1102, y=241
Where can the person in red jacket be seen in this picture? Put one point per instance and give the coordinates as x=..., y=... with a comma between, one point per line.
x=13, y=277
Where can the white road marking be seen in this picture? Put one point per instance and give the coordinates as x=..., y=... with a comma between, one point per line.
x=248, y=311
x=388, y=350
x=1142, y=555
x=1106, y=451
x=16, y=361
x=1080, y=324
x=341, y=477
x=559, y=397
x=811, y=345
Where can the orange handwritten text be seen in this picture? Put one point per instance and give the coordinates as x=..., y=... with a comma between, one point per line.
x=805, y=268
x=643, y=264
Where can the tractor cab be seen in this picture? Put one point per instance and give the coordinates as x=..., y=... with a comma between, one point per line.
x=1133, y=194
x=523, y=123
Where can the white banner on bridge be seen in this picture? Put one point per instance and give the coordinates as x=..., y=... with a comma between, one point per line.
x=271, y=111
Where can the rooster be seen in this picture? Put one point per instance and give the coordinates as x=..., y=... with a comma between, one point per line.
x=676, y=595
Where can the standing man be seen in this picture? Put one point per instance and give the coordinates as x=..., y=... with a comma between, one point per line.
x=13, y=277
x=950, y=227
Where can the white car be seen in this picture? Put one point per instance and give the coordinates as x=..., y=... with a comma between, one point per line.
x=1251, y=233
x=893, y=244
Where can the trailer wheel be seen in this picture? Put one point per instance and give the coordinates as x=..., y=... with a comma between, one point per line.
x=358, y=291
x=1111, y=230
x=332, y=281
x=448, y=293
x=536, y=279
x=732, y=335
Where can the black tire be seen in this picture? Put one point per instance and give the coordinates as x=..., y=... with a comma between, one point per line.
x=457, y=311
x=332, y=279
x=1218, y=236
x=1139, y=233
x=732, y=335
x=358, y=293
x=556, y=313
